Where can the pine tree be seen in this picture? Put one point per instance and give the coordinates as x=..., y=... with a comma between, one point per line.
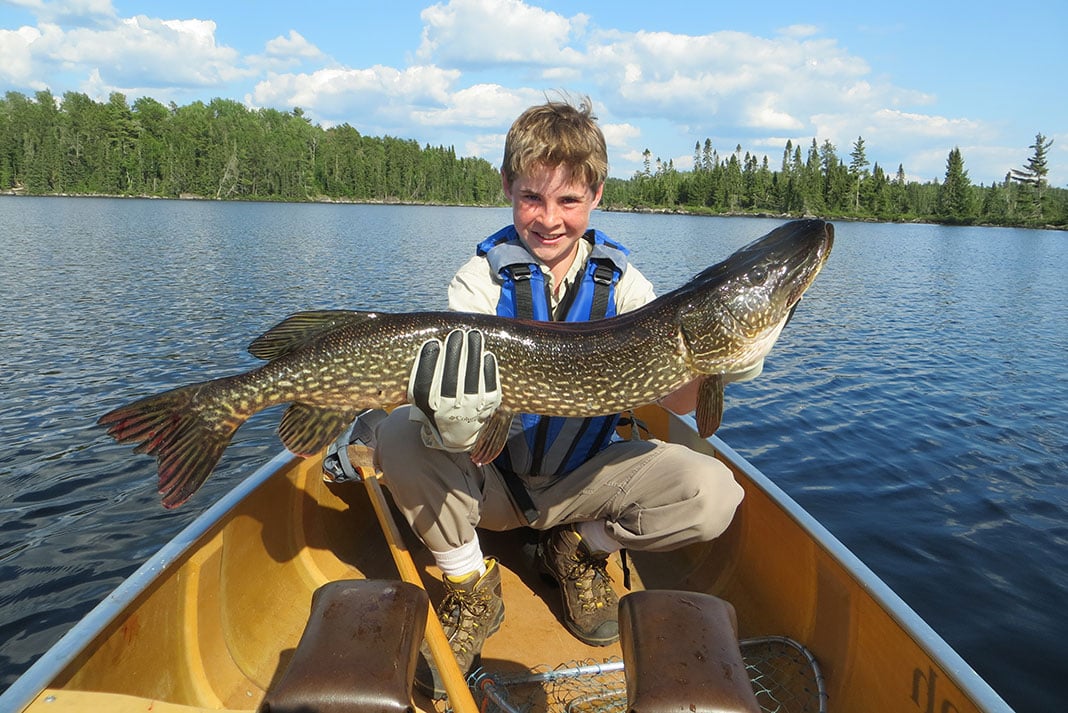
x=858, y=169
x=708, y=157
x=955, y=204
x=812, y=182
x=836, y=192
x=1032, y=179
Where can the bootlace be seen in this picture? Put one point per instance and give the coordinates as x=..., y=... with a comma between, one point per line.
x=463, y=615
x=591, y=579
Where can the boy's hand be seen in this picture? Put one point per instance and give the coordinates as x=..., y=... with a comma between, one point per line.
x=453, y=389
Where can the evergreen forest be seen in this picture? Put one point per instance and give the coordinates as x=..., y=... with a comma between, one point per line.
x=225, y=150
x=220, y=150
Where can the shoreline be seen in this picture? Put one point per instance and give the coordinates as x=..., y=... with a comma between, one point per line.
x=18, y=193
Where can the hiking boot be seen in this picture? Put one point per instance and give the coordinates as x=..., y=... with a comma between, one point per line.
x=591, y=607
x=471, y=610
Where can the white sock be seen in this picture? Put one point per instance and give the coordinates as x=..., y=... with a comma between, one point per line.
x=462, y=561
x=596, y=537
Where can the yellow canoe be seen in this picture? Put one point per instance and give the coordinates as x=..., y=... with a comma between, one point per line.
x=212, y=621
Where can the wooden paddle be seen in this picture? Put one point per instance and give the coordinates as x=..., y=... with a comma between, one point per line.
x=459, y=694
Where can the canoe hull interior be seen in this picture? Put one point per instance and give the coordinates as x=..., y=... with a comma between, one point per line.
x=219, y=621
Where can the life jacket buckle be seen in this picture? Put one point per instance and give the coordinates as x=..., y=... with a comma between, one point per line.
x=603, y=274
x=521, y=272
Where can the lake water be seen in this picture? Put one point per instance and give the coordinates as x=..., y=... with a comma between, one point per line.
x=916, y=405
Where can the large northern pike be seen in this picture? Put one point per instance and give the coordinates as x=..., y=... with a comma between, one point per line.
x=332, y=364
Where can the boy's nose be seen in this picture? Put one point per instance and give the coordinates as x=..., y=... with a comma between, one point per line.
x=549, y=214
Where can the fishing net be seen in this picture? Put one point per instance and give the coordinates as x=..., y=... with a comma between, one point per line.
x=785, y=677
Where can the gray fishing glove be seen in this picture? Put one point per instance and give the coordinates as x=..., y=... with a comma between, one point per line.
x=453, y=389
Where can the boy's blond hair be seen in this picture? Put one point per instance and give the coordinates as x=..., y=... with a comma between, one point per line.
x=553, y=134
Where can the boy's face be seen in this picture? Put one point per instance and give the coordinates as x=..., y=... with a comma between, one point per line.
x=551, y=212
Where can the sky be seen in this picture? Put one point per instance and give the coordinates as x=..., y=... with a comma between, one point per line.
x=913, y=78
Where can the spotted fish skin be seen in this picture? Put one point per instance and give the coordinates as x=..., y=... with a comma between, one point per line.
x=329, y=365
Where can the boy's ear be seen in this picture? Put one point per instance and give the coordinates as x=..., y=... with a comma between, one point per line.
x=597, y=195
x=506, y=186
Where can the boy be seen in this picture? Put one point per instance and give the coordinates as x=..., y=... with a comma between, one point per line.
x=590, y=494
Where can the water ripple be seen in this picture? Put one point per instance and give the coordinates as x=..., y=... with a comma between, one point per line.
x=914, y=406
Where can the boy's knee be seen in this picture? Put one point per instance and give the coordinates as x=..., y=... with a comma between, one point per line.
x=397, y=439
x=716, y=498
x=395, y=431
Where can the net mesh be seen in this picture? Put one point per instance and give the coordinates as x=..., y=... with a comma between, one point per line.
x=785, y=677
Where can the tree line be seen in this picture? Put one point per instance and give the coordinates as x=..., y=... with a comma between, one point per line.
x=225, y=150
x=221, y=150
x=819, y=182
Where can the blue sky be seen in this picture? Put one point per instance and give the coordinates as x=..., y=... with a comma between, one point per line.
x=914, y=79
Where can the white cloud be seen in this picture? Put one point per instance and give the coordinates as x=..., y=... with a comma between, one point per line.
x=16, y=60
x=487, y=146
x=726, y=81
x=286, y=52
x=764, y=113
x=386, y=97
x=632, y=157
x=483, y=105
x=293, y=46
x=140, y=52
x=466, y=33
x=620, y=135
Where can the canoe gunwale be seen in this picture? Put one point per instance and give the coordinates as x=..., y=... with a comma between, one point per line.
x=44, y=670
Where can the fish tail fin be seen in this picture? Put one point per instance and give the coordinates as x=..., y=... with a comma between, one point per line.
x=186, y=429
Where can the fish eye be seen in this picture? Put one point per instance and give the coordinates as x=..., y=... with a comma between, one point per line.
x=758, y=276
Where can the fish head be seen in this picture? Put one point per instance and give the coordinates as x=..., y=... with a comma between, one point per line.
x=736, y=309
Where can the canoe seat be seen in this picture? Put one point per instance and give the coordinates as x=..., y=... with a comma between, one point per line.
x=681, y=654
x=358, y=650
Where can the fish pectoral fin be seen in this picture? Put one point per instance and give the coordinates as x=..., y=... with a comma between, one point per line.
x=305, y=430
x=709, y=405
x=492, y=437
x=299, y=329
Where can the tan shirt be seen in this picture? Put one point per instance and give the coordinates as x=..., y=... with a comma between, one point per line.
x=475, y=289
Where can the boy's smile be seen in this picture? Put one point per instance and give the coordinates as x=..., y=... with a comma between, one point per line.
x=551, y=212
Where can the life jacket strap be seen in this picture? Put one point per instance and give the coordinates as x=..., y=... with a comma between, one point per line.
x=603, y=278
x=525, y=294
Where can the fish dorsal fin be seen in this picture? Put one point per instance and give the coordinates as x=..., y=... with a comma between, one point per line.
x=299, y=329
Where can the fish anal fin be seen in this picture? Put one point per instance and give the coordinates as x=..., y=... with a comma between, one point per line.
x=299, y=329
x=709, y=405
x=492, y=437
x=305, y=430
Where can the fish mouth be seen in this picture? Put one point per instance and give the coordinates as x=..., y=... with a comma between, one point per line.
x=791, y=314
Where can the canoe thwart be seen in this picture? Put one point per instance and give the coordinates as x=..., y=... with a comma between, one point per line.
x=357, y=652
x=681, y=653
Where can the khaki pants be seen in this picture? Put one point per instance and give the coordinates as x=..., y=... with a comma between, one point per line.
x=651, y=495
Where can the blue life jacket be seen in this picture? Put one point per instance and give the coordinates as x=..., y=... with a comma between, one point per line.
x=554, y=445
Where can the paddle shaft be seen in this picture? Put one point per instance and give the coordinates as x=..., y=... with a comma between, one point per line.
x=459, y=695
